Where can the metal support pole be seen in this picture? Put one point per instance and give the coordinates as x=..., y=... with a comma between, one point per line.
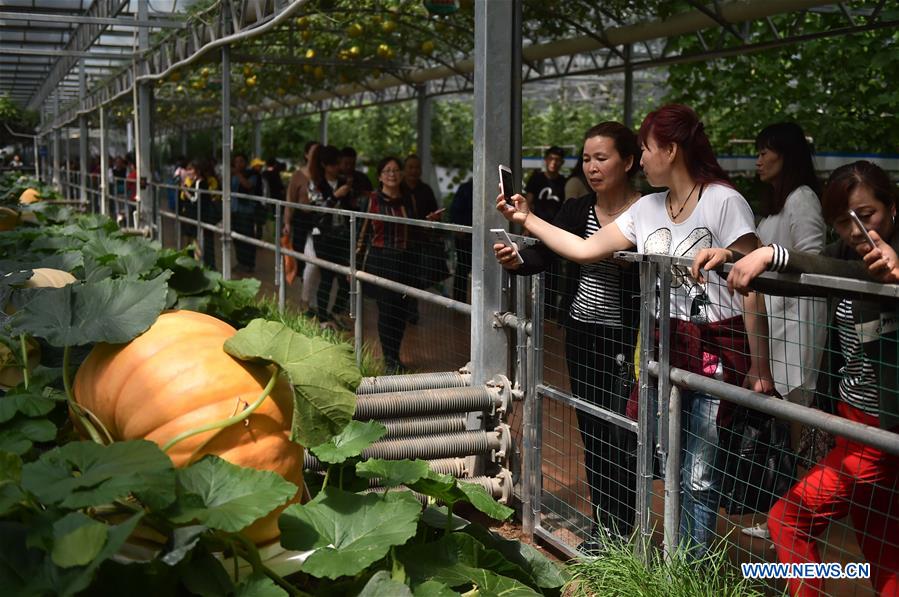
x=226, y=158
x=645, y=410
x=535, y=373
x=37, y=158
x=355, y=294
x=628, y=88
x=280, y=283
x=257, y=138
x=424, y=114
x=55, y=177
x=523, y=381
x=104, y=165
x=515, y=94
x=67, y=184
x=147, y=210
x=494, y=43
x=83, y=148
x=671, y=520
x=323, y=127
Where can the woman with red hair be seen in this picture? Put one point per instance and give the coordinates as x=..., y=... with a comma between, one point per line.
x=712, y=333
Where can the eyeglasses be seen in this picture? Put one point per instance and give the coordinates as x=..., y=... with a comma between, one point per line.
x=390, y=171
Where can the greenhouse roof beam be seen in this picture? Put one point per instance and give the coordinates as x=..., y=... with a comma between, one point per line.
x=90, y=20
x=82, y=39
x=65, y=53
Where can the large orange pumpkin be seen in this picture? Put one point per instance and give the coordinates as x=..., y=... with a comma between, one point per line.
x=29, y=196
x=176, y=377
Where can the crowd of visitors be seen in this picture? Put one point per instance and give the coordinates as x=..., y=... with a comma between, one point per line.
x=770, y=343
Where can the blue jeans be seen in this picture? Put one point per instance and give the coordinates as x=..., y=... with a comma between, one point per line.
x=700, y=479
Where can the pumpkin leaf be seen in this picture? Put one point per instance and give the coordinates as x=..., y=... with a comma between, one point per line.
x=460, y=560
x=435, y=516
x=348, y=531
x=18, y=435
x=350, y=442
x=31, y=403
x=545, y=573
x=77, y=539
x=432, y=588
x=259, y=585
x=82, y=474
x=10, y=468
x=183, y=540
x=478, y=497
x=66, y=262
x=449, y=490
x=381, y=584
x=10, y=280
x=393, y=472
x=227, y=497
x=324, y=375
x=113, y=311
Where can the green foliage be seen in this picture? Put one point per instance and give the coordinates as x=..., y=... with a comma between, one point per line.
x=324, y=375
x=223, y=496
x=839, y=89
x=620, y=572
x=350, y=442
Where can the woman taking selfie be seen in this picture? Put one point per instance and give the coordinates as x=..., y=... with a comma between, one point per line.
x=700, y=209
x=853, y=478
x=601, y=323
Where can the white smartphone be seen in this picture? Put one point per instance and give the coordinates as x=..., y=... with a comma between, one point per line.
x=861, y=227
x=502, y=237
x=505, y=184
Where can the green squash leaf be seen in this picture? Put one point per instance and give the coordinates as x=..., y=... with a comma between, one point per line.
x=348, y=531
x=18, y=436
x=483, y=501
x=113, y=311
x=82, y=474
x=324, y=375
x=259, y=585
x=31, y=403
x=350, y=442
x=381, y=584
x=393, y=472
x=229, y=497
x=183, y=540
x=10, y=468
x=545, y=573
x=432, y=588
x=77, y=539
x=460, y=560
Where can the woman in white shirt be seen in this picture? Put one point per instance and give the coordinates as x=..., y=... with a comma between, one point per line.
x=797, y=326
x=713, y=333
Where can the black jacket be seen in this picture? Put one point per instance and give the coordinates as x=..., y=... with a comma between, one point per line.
x=572, y=217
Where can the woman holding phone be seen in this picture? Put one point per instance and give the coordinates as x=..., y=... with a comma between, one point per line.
x=863, y=371
x=712, y=334
x=600, y=325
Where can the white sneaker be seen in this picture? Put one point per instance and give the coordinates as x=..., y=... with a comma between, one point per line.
x=760, y=531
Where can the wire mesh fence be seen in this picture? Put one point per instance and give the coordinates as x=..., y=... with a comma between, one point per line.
x=772, y=481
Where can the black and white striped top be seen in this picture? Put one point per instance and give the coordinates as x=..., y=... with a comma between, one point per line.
x=858, y=385
x=598, y=298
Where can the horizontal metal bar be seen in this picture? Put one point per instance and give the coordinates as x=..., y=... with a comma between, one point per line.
x=830, y=283
x=555, y=541
x=590, y=409
x=783, y=409
x=81, y=19
x=511, y=320
x=66, y=53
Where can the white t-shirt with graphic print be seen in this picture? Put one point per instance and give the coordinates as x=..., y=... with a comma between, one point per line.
x=720, y=218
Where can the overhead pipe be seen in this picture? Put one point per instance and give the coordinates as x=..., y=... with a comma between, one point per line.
x=415, y=381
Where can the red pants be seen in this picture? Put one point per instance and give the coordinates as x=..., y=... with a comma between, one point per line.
x=852, y=479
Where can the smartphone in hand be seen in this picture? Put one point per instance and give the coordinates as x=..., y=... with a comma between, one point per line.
x=505, y=183
x=862, y=228
x=502, y=237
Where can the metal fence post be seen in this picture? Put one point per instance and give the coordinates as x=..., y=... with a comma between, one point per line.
x=648, y=386
x=671, y=521
x=226, y=158
x=356, y=304
x=522, y=381
x=535, y=371
x=280, y=282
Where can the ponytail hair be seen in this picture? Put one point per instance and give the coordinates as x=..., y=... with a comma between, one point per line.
x=680, y=125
